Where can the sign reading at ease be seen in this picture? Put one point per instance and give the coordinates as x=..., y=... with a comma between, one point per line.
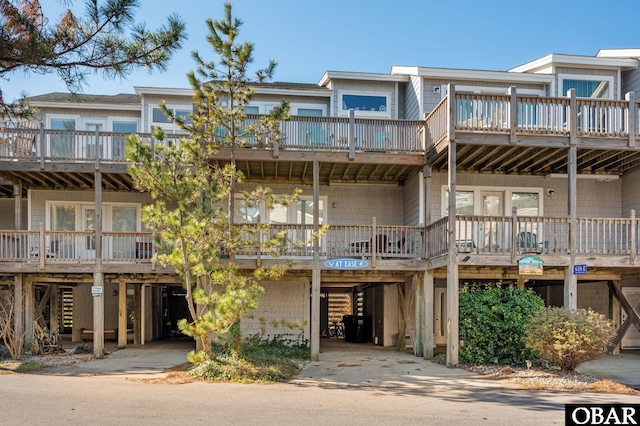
x=346, y=264
x=96, y=290
x=579, y=269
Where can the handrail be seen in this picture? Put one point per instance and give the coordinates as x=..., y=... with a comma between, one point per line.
x=474, y=234
x=535, y=115
x=309, y=133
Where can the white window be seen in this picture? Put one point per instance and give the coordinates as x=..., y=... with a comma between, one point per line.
x=159, y=119
x=300, y=212
x=365, y=104
x=116, y=144
x=587, y=86
x=494, y=201
x=61, y=144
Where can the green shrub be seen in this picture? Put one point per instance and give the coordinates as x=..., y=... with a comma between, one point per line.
x=264, y=360
x=83, y=348
x=4, y=353
x=568, y=338
x=492, y=320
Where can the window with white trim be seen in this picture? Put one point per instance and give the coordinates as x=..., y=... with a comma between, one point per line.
x=159, y=119
x=365, y=104
x=300, y=212
x=587, y=86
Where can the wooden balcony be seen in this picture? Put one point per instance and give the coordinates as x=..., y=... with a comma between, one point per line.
x=58, y=251
x=530, y=135
x=492, y=240
x=488, y=240
x=299, y=133
x=348, y=150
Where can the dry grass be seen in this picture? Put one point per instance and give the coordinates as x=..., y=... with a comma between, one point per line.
x=552, y=379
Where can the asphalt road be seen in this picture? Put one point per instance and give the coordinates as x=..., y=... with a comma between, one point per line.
x=122, y=400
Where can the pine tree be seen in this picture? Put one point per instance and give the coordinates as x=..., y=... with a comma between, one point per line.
x=193, y=212
x=106, y=40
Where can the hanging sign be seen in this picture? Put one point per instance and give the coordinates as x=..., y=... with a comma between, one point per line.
x=346, y=264
x=530, y=265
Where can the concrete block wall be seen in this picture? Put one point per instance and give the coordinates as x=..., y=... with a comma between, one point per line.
x=282, y=300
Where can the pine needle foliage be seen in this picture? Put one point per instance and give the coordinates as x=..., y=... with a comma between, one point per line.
x=194, y=197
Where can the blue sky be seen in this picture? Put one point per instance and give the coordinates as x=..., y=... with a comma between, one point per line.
x=309, y=37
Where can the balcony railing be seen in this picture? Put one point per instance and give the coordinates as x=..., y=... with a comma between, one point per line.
x=487, y=235
x=532, y=115
x=300, y=133
x=377, y=241
x=536, y=235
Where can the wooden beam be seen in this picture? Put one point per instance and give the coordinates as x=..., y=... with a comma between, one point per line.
x=429, y=301
x=452, y=266
x=122, y=314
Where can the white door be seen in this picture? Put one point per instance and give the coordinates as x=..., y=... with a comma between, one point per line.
x=440, y=316
x=87, y=243
x=491, y=232
x=87, y=146
x=632, y=337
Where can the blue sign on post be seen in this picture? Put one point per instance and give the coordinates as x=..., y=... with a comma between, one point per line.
x=579, y=269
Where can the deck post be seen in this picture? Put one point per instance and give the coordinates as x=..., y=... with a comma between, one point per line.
x=42, y=246
x=426, y=204
x=374, y=244
x=143, y=313
x=514, y=233
x=137, y=316
x=418, y=345
x=54, y=323
x=351, y=131
x=17, y=197
x=513, y=115
x=43, y=146
x=315, y=275
x=631, y=118
x=452, y=266
x=122, y=314
x=428, y=314
x=18, y=300
x=451, y=108
x=98, y=276
x=570, y=279
x=28, y=296
x=632, y=238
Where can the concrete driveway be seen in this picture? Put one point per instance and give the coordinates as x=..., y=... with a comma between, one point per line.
x=341, y=364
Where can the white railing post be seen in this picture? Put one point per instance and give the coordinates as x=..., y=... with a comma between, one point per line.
x=351, y=134
x=514, y=233
x=42, y=249
x=631, y=118
x=42, y=146
x=451, y=112
x=374, y=243
x=513, y=115
x=633, y=231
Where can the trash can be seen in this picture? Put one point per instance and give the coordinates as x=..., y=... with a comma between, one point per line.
x=355, y=328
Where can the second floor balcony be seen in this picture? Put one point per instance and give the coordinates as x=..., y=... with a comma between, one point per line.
x=298, y=133
x=481, y=240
